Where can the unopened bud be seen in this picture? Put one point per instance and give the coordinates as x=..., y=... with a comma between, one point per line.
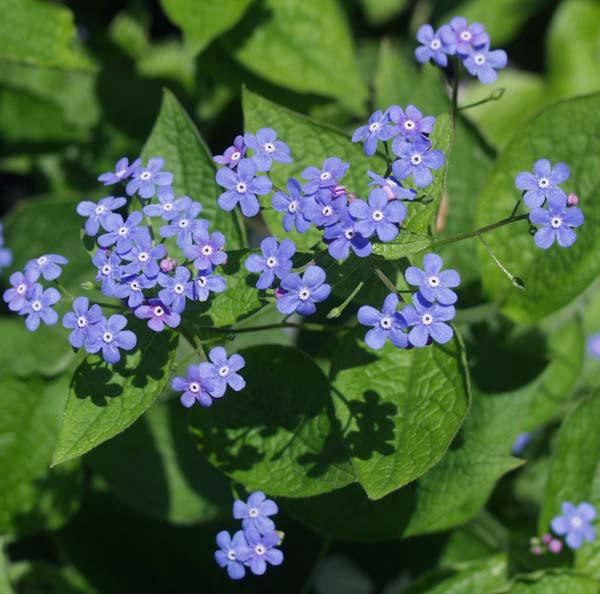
x=555, y=546
x=389, y=191
x=338, y=191
x=351, y=197
x=547, y=538
x=536, y=550
x=168, y=264
x=572, y=199
x=279, y=293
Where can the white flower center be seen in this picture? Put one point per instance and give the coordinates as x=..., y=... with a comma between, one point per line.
x=183, y=223
x=168, y=206
x=543, y=183
x=223, y=371
x=107, y=337
x=231, y=555
x=201, y=280
x=82, y=321
x=327, y=211
x=145, y=176
x=386, y=322
x=377, y=215
x=427, y=319
x=207, y=250
x=576, y=522
x=100, y=210
x=235, y=155
x=555, y=222
x=36, y=305
x=21, y=289
x=260, y=549
x=158, y=311
x=435, y=44
x=135, y=286
x=42, y=260
x=143, y=256
x=106, y=269
x=271, y=262
x=325, y=176
x=122, y=232
x=179, y=289
x=374, y=127
x=194, y=387
x=241, y=188
x=409, y=125
x=304, y=293
x=269, y=147
x=416, y=159
x=479, y=59
x=293, y=206
x=433, y=281
x=466, y=35
x=349, y=234
x=253, y=512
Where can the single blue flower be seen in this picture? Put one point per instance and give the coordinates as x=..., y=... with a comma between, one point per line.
x=468, y=37
x=416, y=159
x=332, y=172
x=158, y=315
x=387, y=323
x=377, y=129
x=22, y=285
x=185, y=224
x=123, y=233
x=434, y=284
x=256, y=512
x=207, y=282
x=196, y=387
x=233, y=154
x=428, y=320
x=48, y=266
x=483, y=63
x=292, y=205
x=145, y=179
x=109, y=273
x=521, y=442
x=593, y=344
x=109, y=336
x=98, y=214
x=323, y=209
x=380, y=215
x=543, y=182
x=575, y=522
x=303, y=292
x=242, y=186
x=6, y=257
x=392, y=186
x=207, y=249
x=556, y=223
x=176, y=289
x=167, y=208
x=227, y=556
x=260, y=550
x=39, y=307
x=274, y=262
x=267, y=149
x=343, y=236
x=122, y=171
x=436, y=45
x=132, y=286
x=223, y=370
x=411, y=121
x=143, y=258
x=81, y=321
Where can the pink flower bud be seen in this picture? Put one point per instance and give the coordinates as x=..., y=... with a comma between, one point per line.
x=279, y=292
x=168, y=264
x=572, y=199
x=351, y=197
x=388, y=190
x=338, y=191
x=536, y=550
x=546, y=538
x=555, y=546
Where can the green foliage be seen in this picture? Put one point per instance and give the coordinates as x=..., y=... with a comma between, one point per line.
x=555, y=583
x=380, y=11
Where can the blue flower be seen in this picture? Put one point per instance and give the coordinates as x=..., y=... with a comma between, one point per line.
x=168, y=208
x=267, y=149
x=434, y=284
x=436, y=45
x=392, y=186
x=48, y=266
x=233, y=154
x=387, y=323
x=428, y=321
x=575, y=523
x=158, y=315
x=81, y=321
x=207, y=282
x=275, y=261
x=260, y=550
x=131, y=287
x=377, y=129
x=109, y=336
x=521, y=442
x=123, y=233
x=380, y=215
x=227, y=556
x=416, y=158
x=206, y=251
x=255, y=513
x=242, y=186
x=185, y=224
x=196, y=387
x=468, y=36
x=343, y=236
x=223, y=371
x=323, y=209
x=110, y=272
x=303, y=292
x=556, y=223
x=292, y=204
x=5, y=253
x=176, y=288
x=98, y=213
x=483, y=63
x=145, y=179
x=143, y=257
x=122, y=171
x=333, y=171
x=39, y=307
x=542, y=183
x=411, y=121
x=593, y=343
x=22, y=285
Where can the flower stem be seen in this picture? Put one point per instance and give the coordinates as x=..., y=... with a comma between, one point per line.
x=455, y=83
x=495, y=95
x=386, y=281
x=336, y=312
x=515, y=280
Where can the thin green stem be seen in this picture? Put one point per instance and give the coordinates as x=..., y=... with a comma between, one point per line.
x=386, y=281
x=516, y=208
x=194, y=341
x=495, y=95
x=515, y=280
x=455, y=83
x=336, y=312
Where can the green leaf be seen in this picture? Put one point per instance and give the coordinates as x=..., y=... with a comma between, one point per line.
x=380, y=11
x=40, y=34
x=106, y=399
x=201, y=22
x=553, y=277
x=154, y=468
x=5, y=585
x=279, y=434
x=389, y=404
x=555, y=582
x=304, y=45
x=176, y=139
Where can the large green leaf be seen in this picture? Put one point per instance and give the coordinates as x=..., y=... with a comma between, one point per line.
x=556, y=276
x=279, y=434
x=176, y=139
x=399, y=409
x=154, y=468
x=304, y=45
x=201, y=22
x=380, y=11
x=555, y=582
x=106, y=399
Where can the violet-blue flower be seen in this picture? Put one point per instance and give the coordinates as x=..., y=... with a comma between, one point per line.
x=145, y=179
x=468, y=36
x=521, y=442
x=411, y=121
x=227, y=556
x=232, y=154
x=185, y=224
x=255, y=512
x=223, y=370
x=110, y=271
x=207, y=282
x=48, y=266
x=332, y=172
x=267, y=148
x=260, y=550
x=428, y=320
x=343, y=236
x=197, y=386
x=377, y=129
x=323, y=209
x=292, y=205
x=242, y=186
x=110, y=336
x=434, y=283
x=122, y=171
x=416, y=159
x=207, y=249
x=39, y=307
x=176, y=289
x=556, y=223
x=158, y=315
x=16, y=296
x=81, y=322
x=575, y=523
x=131, y=287
x=483, y=63
x=168, y=207
x=436, y=45
x=593, y=345
x=380, y=215
x=392, y=186
x=543, y=182
x=275, y=261
x=98, y=214
x=123, y=233
x=303, y=291
x=143, y=258
x=387, y=324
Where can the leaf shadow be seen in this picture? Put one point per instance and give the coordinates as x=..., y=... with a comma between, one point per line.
x=93, y=380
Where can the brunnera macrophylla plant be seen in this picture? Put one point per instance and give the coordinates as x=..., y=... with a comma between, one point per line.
x=154, y=256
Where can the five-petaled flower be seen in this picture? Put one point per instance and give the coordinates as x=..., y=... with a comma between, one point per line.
x=292, y=205
x=122, y=171
x=575, y=523
x=377, y=129
x=242, y=186
x=411, y=121
x=329, y=176
x=275, y=261
x=198, y=386
x=255, y=512
x=38, y=307
x=98, y=214
x=436, y=45
x=232, y=154
x=387, y=323
x=483, y=63
x=416, y=158
x=267, y=148
x=227, y=555
x=556, y=223
x=110, y=336
x=48, y=266
x=380, y=215
x=223, y=371
x=543, y=183
x=158, y=315
x=428, y=320
x=434, y=283
x=82, y=322
x=302, y=292
x=145, y=179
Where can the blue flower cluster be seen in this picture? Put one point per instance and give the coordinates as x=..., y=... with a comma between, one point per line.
x=422, y=321
x=561, y=215
x=255, y=545
x=470, y=43
x=5, y=253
